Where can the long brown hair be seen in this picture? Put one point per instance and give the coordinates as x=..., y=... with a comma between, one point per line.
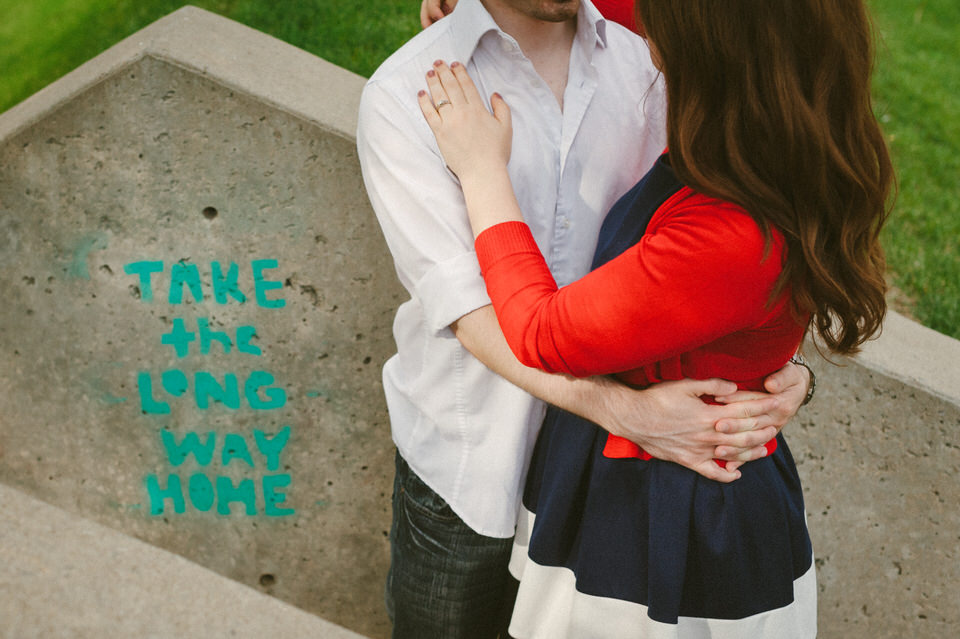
x=769, y=107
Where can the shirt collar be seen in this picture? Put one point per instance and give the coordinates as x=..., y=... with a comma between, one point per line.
x=593, y=23
x=470, y=21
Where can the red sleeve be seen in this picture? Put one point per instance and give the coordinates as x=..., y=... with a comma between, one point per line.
x=617, y=10
x=698, y=275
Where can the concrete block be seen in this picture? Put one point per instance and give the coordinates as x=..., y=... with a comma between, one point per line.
x=878, y=450
x=64, y=576
x=199, y=182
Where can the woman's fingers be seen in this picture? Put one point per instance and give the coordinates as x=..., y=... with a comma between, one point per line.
x=466, y=83
x=449, y=82
x=716, y=387
x=732, y=466
x=751, y=413
x=740, y=455
x=438, y=92
x=429, y=111
x=468, y=136
x=425, y=18
x=433, y=10
x=500, y=110
x=748, y=438
x=711, y=470
x=453, y=85
x=740, y=396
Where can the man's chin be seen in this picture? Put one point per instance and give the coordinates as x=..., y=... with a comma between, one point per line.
x=557, y=10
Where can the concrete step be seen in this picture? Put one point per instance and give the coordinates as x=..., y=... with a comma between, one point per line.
x=64, y=576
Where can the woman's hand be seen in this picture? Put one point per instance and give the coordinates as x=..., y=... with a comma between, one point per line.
x=433, y=10
x=473, y=141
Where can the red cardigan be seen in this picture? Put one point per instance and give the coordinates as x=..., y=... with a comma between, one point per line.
x=617, y=10
x=690, y=299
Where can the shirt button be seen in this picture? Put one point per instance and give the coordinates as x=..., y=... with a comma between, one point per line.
x=506, y=46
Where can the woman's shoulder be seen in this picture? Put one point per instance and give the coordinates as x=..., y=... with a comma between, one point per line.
x=716, y=229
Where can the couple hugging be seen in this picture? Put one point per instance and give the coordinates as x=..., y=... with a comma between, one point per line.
x=614, y=243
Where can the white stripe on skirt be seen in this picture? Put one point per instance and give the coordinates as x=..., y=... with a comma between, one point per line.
x=550, y=607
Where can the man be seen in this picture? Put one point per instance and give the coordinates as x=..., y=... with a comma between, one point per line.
x=588, y=122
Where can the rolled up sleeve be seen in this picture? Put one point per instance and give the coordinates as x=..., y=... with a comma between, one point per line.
x=419, y=205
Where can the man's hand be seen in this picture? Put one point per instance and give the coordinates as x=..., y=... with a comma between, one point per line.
x=675, y=423
x=671, y=422
x=433, y=10
x=787, y=389
x=668, y=420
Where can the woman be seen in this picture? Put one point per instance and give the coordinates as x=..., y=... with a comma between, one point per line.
x=761, y=219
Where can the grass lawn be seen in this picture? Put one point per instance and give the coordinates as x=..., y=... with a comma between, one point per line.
x=40, y=40
x=917, y=90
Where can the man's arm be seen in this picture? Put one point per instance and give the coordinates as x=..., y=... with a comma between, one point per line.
x=668, y=420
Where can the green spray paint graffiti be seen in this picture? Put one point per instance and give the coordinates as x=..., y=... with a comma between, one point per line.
x=263, y=492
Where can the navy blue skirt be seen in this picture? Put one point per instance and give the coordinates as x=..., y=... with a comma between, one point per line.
x=656, y=534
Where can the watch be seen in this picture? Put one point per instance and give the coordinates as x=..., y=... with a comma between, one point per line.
x=800, y=361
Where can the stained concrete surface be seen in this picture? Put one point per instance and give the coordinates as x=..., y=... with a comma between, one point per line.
x=198, y=140
x=162, y=160
x=107, y=584
x=880, y=464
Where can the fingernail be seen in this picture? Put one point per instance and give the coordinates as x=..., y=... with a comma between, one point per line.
x=421, y=93
x=455, y=64
x=431, y=73
x=497, y=95
x=437, y=63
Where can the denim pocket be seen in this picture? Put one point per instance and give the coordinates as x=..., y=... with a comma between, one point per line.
x=420, y=497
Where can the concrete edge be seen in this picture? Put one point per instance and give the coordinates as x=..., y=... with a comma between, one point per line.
x=231, y=54
x=917, y=355
x=63, y=575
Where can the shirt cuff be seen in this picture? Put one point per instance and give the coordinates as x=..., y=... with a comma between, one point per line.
x=500, y=240
x=450, y=290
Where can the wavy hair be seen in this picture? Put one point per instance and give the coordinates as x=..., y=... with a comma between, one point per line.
x=769, y=107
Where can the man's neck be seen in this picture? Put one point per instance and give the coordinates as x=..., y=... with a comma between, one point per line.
x=546, y=44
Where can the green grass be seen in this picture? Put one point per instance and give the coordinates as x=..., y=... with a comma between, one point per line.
x=917, y=88
x=41, y=40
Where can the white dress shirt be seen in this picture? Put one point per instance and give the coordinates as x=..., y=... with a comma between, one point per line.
x=465, y=431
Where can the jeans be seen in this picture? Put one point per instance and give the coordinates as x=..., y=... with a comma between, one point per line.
x=445, y=581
